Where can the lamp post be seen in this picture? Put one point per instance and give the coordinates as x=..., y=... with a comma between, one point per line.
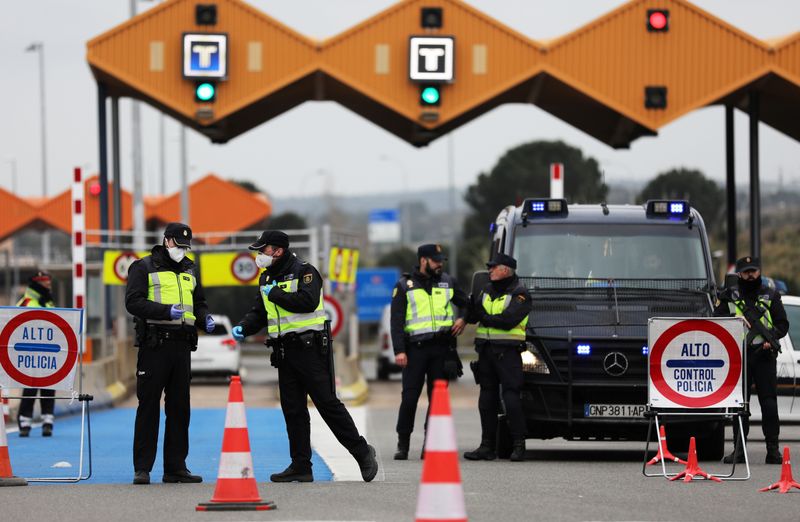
x=12, y=162
x=38, y=47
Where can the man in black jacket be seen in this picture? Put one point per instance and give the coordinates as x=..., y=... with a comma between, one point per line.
x=424, y=327
x=166, y=300
x=289, y=304
x=501, y=309
x=755, y=301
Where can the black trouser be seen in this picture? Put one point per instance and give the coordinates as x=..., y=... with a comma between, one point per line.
x=500, y=367
x=762, y=370
x=46, y=402
x=303, y=371
x=163, y=369
x=425, y=363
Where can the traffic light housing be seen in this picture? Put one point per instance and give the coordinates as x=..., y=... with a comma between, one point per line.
x=655, y=97
x=658, y=20
x=431, y=17
x=205, y=92
x=430, y=95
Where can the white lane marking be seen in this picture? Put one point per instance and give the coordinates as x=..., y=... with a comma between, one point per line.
x=343, y=466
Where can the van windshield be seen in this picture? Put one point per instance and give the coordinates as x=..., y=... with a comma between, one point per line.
x=609, y=251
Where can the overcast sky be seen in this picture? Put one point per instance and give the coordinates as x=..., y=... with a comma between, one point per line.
x=297, y=153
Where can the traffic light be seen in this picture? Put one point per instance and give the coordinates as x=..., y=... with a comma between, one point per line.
x=205, y=92
x=655, y=97
x=205, y=14
x=431, y=17
x=658, y=20
x=429, y=95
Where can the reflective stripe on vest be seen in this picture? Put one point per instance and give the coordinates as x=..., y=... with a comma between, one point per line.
x=428, y=313
x=170, y=288
x=281, y=321
x=495, y=307
x=33, y=297
x=737, y=308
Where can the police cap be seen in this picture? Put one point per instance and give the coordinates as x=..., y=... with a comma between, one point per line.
x=275, y=238
x=432, y=251
x=502, y=259
x=180, y=233
x=40, y=277
x=748, y=263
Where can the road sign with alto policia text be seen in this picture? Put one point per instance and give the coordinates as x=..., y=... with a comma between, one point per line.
x=695, y=363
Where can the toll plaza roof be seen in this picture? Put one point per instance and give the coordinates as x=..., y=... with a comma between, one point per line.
x=598, y=78
x=235, y=209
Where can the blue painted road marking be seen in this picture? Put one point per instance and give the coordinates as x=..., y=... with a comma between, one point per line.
x=695, y=363
x=37, y=347
x=112, y=443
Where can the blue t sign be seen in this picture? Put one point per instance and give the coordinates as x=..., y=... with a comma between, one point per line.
x=205, y=55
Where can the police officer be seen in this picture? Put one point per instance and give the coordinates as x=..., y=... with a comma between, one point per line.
x=289, y=304
x=755, y=301
x=166, y=300
x=424, y=326
x=37, y=295
x=501, y=311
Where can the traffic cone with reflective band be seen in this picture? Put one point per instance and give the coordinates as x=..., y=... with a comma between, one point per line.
x=7, y=477
x=787, y=481
x=3, y=395
x=236, y=484
x=692, y=468
x=663, y=451
x=441, y=497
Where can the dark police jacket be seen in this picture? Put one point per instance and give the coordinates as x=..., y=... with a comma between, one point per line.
x=400, y=302
x=519, y=307
x=780, y=322
x=136, y=300
x=304, y=301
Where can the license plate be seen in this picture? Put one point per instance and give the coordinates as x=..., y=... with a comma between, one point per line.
x=614, y=410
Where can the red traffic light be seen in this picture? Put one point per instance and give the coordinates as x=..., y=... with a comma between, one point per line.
x=94, y=189
x=658, y=20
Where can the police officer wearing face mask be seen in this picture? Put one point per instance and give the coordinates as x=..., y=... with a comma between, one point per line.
x=289, y=304
x=167, y=301
x=755, y=301
x=424, y=326
x=501, y=311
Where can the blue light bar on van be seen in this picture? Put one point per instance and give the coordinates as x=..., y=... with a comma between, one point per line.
x=675, y=209
x=645, y=350
x=544, y=208
x=583, y=349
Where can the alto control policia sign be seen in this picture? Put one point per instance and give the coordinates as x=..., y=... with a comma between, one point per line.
x=39, y=347
x=695, y=363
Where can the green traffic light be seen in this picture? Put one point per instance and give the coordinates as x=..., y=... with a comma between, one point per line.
x=430, y=95
x=205, y=92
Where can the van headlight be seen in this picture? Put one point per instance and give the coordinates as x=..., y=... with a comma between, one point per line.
x=533, y=362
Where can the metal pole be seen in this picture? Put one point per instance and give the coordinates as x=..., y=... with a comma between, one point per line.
x=755, y=190
x=184, y=179
x=138, y=188
x=451, y=179
x=730, y=184
x=162, y=162
x=40, y=47
x=117, y=196
x=102, y=134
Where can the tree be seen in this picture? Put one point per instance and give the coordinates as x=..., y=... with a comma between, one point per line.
x=287, y=221
x=704, y=194
x=402, y=257
x=248, y=185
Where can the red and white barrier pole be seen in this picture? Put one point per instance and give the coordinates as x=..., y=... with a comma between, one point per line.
x=556, y=180
x=78, y=243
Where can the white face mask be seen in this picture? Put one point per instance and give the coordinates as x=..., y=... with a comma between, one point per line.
x=263, y=260
x=176, y=253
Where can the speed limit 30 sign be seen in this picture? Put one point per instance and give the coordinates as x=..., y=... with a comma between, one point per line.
x=695, y=363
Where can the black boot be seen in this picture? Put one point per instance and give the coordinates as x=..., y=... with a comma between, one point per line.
x=47, y=430
x=291, y=474
x=484, y=452
x=737, y=455
x=518, y=450
x=773, y=454
x=403, y=442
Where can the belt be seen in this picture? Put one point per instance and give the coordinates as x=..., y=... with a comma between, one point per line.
x=172, y=335
x=294, y=338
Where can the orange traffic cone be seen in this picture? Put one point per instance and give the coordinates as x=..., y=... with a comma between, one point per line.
x=663, y=451
x=7, y=477
x=786, y=482
x=692, y=468
x=236, y=485
x=441, y=497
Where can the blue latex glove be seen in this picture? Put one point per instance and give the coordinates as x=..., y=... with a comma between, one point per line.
x=266, y=289
x=210, y=324
x=238, y=333
x=176, y=312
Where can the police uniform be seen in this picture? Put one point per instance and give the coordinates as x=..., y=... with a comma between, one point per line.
x=501, y=311
x=37, y=296
x=422, y=315
x=761, y=364
x=157, y=287
x=289, y=304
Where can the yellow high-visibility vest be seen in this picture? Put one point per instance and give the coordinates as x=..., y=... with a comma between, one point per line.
x=494, y=307
x=428, y=314
x=281, y=321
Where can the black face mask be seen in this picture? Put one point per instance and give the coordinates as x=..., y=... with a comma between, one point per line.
x=749, y=286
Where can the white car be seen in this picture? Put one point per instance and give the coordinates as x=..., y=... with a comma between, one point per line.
x=386, y=364
x=788, y=368
x=218, y=352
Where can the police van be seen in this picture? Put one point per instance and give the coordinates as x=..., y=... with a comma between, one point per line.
x=596, y=274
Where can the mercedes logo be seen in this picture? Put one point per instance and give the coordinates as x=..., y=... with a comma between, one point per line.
x=615, y=364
